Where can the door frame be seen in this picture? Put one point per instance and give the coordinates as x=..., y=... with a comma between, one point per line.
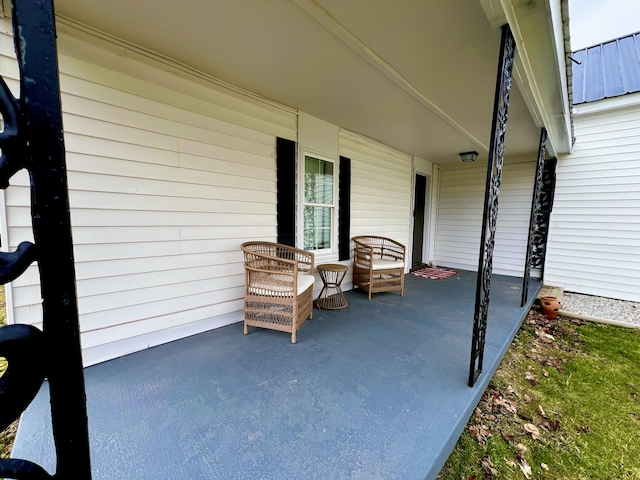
x=427, y=255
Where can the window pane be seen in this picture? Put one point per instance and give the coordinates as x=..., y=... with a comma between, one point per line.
x=318, y=181
x=317, y=228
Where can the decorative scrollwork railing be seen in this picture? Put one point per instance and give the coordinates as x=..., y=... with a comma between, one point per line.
x=32, y=138
x=492, y=192
x=535, y=214
x=541, y=226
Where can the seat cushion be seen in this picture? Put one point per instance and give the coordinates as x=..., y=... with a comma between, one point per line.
x=262, y=286
x=383, y=264
x=304, y=282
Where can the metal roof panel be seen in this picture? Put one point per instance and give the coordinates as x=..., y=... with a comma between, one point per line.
x=594, y=78
x=629, y=53
x=612, y=83
x=607, y=70
x=578, y=76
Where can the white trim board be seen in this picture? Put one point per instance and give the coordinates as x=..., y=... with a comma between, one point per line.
x=104, y=352
x=629, y=100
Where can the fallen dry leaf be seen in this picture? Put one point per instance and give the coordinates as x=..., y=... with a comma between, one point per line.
x=554, y=425
x=481, y=432
x=511, y=463
x=508, y=438
x=531, y=378
x=545, y=337
x=545, y=467
x=527, y=399
x=554, y=362
x=583, y=428
x=521, y=447
x=488, y=467
x=507, y=404
x=533, y=430
x=524, y=466
x=541, y=411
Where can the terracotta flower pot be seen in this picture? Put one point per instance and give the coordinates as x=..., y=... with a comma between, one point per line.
x=550, y=306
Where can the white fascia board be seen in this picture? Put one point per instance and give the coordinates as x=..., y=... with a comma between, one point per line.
x=536, y=86
x=607, y=104
x=549, y=97
x=554, y=8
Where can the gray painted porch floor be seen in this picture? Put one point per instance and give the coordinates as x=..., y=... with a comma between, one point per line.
x=373, y=392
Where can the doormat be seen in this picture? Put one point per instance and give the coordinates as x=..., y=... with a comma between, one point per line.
x=434, y=273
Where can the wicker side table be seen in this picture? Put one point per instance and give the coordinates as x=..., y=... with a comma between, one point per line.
x=331, y=296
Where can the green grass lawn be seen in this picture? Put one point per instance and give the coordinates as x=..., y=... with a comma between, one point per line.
x=6, y=437
x=564, y=404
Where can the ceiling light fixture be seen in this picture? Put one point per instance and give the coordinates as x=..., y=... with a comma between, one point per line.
x=468, y=156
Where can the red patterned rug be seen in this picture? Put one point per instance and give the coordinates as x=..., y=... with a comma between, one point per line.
x=434, y=273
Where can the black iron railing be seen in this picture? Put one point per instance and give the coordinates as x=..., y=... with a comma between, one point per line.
x=32, y=139
x=535, y=214
x=492, y=192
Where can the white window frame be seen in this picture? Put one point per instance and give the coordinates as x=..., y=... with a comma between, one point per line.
x=327, y=254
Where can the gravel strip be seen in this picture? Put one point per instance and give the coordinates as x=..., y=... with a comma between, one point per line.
x=602, y=307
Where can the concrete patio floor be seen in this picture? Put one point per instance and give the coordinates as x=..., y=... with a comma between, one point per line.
x=377, y=391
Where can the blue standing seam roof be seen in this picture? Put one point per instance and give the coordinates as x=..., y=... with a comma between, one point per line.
x=607, y=70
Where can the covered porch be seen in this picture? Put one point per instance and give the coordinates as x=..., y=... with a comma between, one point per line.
x=375, y=391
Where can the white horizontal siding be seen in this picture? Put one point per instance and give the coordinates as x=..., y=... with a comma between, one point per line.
x=460, y=211
x=380, y=190
x=594, y=240
x=167, y=178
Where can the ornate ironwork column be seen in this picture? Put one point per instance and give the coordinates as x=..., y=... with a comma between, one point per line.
x=541, y=228
x=535, y=212
x=492, y=191
x=33, y=139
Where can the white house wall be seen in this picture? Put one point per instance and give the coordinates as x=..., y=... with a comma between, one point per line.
x=460, y=209
x=164, y=186
x=594, y=242
x=380, y=189
x=168, y=174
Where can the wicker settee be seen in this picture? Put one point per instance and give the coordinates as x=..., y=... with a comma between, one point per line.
x=278, y=287
x=378, y=264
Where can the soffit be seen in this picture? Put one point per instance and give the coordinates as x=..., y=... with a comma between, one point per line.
x=447, y=51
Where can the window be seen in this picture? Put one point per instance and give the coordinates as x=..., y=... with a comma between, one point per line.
x=319, y=204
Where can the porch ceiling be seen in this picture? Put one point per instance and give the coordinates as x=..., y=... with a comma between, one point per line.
x=417, y=75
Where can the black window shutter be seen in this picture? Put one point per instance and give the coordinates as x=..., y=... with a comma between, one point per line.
x=286, y=181
x=344, y=209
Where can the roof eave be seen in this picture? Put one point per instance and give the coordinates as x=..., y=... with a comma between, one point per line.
x=540, y=70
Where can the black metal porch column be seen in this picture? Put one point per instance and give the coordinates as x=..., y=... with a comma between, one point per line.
x=541, y=233
x=492, y=191
x=33, y=139
x=535, y=212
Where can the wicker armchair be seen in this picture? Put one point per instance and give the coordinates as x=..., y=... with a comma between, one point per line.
x=278, y=287
x=378, y=264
